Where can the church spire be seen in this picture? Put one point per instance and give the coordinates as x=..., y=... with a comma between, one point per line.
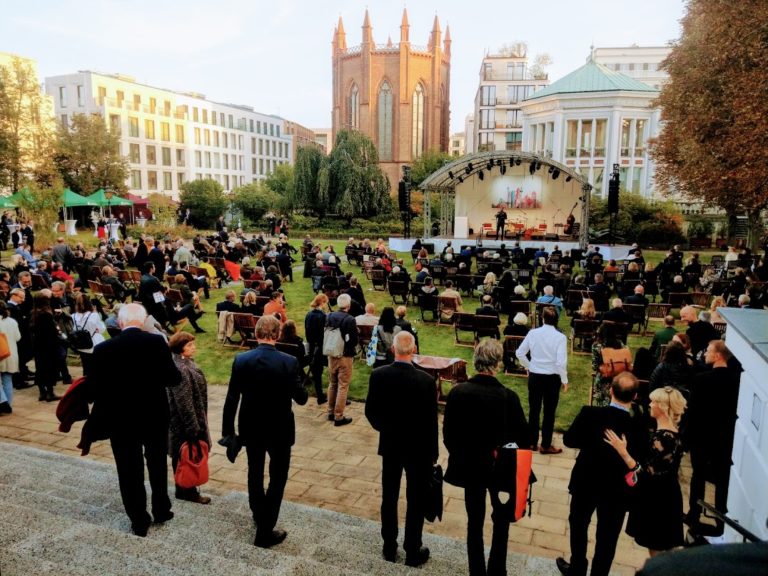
x=447, y=41
x=434, y=37
x=405, y=27
x=367, y=31
x=341, y=36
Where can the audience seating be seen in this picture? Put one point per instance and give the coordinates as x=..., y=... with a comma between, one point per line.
x=464, y=322
x=655, y=311
x=585, y=332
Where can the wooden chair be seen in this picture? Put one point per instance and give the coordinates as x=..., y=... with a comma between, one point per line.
x=720, y=327
x=621, y=329
x=465, y=322
x=524, y=306
x=678, y=299
x=699, y=299
x=637, y=313
x=446, y=304
x=487, y=230
x=398, y=289
x=486, y=326
x=378, y=279
x=428, y=303
x=511, y=366
x=364, y=335
x=585, y=331
x=573, y=300
x=245, y=325
x=127, y=278
x=655, y=311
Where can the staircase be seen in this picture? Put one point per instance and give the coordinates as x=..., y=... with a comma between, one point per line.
x=62, y=515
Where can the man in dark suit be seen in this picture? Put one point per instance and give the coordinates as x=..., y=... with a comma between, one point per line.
x=402, y=406
x=597, y=480
x=617, y=313
x=132, y=405
x=487, y=309
x=228, y=305
x=267, y=380
x=700, y=331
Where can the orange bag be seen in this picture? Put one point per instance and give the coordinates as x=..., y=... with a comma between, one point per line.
x=512, y=474
x=5, y=350
x=192, y=469
x=615, y=361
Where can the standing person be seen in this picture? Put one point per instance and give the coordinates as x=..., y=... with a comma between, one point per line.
x=340, y=369
x=501, y=220
x=29, y=235
x=188, y=404
x=597, y=480
x=386, y=331
x=547, y=372
x=656, y=509
x=45, y=346
x=85, y=318
x=10, y=365
x=314, y=327
x=267, y=380
x=131, y=399
x=20, y=310
x=710, y=430
x=122, y=226
x=481, y=415
x=407, y=441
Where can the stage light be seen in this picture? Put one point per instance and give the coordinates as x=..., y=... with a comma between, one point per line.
x=498, y=162
x=517, y=161
x=461, y=180
x=568, y=179
x=481, y=175
x=468, y=169
x=490, y=165
x=551, y=169
x=538, y=165
x=503, y=169
x=450, y=174
x=555, y=174
x=532, y=168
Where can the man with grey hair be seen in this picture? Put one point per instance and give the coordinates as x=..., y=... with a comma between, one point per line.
x=481, y=415
x=132, y=404
x=267, y=380
x=182, y=253
x=700, y=332
x=369, y=318
x=402, y=406
x=340, y=369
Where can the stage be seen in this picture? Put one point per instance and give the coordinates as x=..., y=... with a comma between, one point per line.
x=616, y=252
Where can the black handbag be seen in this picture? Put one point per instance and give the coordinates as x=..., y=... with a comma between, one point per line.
x=434, y=502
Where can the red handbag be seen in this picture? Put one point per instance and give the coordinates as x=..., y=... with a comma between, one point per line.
x=192, y=469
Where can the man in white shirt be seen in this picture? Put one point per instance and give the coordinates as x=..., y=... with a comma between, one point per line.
x=547, y=371
x=369, y=318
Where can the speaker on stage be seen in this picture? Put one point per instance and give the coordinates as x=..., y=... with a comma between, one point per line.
x=402, y=196
x=613, y=194
x=551, y=237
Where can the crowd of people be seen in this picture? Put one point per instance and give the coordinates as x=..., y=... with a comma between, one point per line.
x=643, y=416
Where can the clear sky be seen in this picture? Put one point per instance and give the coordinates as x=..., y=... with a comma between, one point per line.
x=276, y=56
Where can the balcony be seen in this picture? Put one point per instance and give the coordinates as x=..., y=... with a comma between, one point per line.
x=502, y=125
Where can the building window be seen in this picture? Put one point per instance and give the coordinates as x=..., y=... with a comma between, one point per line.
x=253, y=165
x=258, y=126
x=207, y=159
x=151, y=155
x=137, y=102
x=136, y=179
x=253, y=145
x=180, y=158
x=417, y=144
x=261, y=165
x=626, y=127
x=80, y=96
x=149, y=129
x=600, y=132
x=195, y=114
x=207, y=134
x=571, y=133
x=514, y=141
x=221, y=119
x=639, y=137
x=274, y=148
x=216, y=138
x=133, y=127
x=165, y=132
x=197, y=135
x=488, y=96
x=637, y=178
x=180, y=179
x=250, y=125
x=166, y=156
x=179, y=134
x=512, y=121
x=102, y=95
x=114, y=123
x=586, y=138
x=271, y=129
x=63, y=96
x=486, y=142
x=217, y=161
x=167, y=181
x=487, y=119
x=198, y=159
x=225, y=139
x=225, y=157
x=205, y=116
x=64, y=121
x=261, y=146
x=134, y=153
x=151, y=179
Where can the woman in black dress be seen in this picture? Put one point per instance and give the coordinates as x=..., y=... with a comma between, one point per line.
x=45, y=345
x=656, y=510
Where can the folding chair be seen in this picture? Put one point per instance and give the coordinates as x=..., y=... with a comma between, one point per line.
x=465, y=322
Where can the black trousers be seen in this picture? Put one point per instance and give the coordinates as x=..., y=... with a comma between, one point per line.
x=474, y=501
x=610, y=519
x=417, y=473
x=316, y=367
x=702, y=461
x=265, y=504
x=542, y=389
x=130, y=452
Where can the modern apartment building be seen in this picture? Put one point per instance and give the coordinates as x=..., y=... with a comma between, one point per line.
x=505, y=81
x=457, y=146
x=171, y=137
x=638, y=62
x=302, y=136
x=324, y=139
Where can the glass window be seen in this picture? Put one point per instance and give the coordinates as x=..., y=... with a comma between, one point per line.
x=274, y=148
x=114, y=123
x=231, y=121
x=626, y=126
x=385, y=121
x=488, y=96
x=197, y=135
x=597, y=175
x=133, y=127
x=80, y=96
x=167, y=181
x=151, y=179
x=134, y=153
x=166, y=156
x=63, y=96
x=149, y=129
x=261, y=146
x=180, y=158
x=514, y=140
x=225, y=139
x=207, y=135
x=586, y=138
x=207, y=159
x=253, y=145
x=261, y=165
x=195, y=114
x=253, y=165
x=180, y=133
x=600, y=131
x=640, y=137
x=225, y=158
x=221, y=118
x=213, y=117
x=180, y=179
x=216, y=138
x=487, y=119
x=205, y=116
x=165, y=131
x=417, y=144
x=198, y=159
x=486, y=142
x=277, y=130
x=151, y=155
x=258, y=126
x=250, y=124
x=354, y=108
x=571, y=133
x=512, y=121
x=136, y=179
x=102, y=95
x=637, y=177
x=217, y=160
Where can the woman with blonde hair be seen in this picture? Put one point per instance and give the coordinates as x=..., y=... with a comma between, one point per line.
x=489, y=283
x=717, y=302
x=587, y=311
x=656, y=509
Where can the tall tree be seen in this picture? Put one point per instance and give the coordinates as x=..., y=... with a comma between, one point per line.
x=205, y=198
x=714, y=144
x=27, y=133
x=350, y=180
x=424, y=165
x=281, y=182
x=88, y=156
x=307, y=166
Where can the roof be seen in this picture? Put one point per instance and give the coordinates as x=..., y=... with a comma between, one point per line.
x=593, y=77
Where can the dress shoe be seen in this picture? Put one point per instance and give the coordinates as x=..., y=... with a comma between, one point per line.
x=23, y=385
x=41, y=398
x=194, y=497
x=389, y=553
x=5, y=408
x=417, y=558
x=348, y=402
x=164, y=517
x=550, y=450
x=199, y=331
x=331, y=418
x=51, y=397
x=322, y=399
x=271, y=539
x=343, y=421
x=709, y=529
x=563, y=565
x=140, y=529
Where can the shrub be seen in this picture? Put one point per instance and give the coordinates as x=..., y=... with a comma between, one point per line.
x=206, y=200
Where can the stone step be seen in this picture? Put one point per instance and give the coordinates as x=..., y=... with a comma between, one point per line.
x=63, y=515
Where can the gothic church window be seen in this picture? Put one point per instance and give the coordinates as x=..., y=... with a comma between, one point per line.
x=385, y=122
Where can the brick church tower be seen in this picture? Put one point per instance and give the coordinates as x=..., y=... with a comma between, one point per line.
x=397, y=94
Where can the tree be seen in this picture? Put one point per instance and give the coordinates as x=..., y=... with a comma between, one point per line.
x=657, y=224
x=350, y=180
x=714, y=143
x=27, y=133
x=255, y=200
x=88, y=156
x=43, y=204
x=205, y=198
x=281, y=182
x=305, y=191
x=426, y=164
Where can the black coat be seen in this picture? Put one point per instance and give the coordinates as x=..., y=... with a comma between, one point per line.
x=402, y=406
x=599, y=468
x=130, y=374
x=480, y=415
x=266, y=380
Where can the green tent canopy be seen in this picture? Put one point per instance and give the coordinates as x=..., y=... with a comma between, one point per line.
x=73, y=199
x=7, y=202
x=100, y=198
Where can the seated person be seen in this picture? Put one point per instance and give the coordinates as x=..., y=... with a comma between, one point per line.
x=447, y=313
x=228, y=305
x=550, y=299
x=487, y=309
x=369, y=318
x=617, y=313
x=288, y=335
x=638, y=297
x=251, y=305
x=122, y=292
x=517, y=326
x=276, y=306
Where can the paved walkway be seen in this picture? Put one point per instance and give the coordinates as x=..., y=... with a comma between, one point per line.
x=338, y=469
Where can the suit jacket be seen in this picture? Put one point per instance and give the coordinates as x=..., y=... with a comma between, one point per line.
x=130, y=373
x=617, y=315
x=480, y=415
x=599, y=468
x=402, y=406
x=266, y=380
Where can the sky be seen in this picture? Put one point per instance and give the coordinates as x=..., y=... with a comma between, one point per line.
x=276, y=56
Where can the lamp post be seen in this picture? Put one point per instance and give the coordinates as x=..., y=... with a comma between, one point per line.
x=108, y=195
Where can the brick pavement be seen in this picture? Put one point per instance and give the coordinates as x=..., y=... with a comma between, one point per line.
x=338, y=469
